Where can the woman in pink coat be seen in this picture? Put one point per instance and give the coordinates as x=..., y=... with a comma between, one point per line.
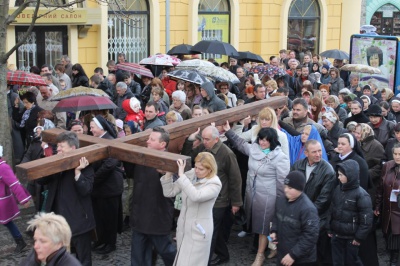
x=11, y=189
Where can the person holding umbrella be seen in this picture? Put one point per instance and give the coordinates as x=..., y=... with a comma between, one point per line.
x=107, y=191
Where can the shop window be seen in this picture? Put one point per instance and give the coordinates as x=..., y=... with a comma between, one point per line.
x=304, y=26
x=128, y=30
x=387, y=20
x=213, y=23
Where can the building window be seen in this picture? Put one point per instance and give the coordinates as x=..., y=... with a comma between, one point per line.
x=304, y=26
x=387, y=20
x=128, y=30
x=213, y=23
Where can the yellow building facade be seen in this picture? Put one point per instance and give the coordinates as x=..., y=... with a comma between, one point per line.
x=259, y=26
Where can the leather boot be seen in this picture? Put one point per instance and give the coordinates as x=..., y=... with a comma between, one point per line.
x=394, y=257
x=20, y=245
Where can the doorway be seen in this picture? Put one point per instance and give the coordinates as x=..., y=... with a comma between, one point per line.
x=45, y=45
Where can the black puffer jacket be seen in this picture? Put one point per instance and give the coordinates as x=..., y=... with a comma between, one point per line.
x=319, y=186
x=297, y=227
x=351, y=208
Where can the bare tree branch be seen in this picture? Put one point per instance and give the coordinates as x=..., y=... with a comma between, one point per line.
x=19, y=10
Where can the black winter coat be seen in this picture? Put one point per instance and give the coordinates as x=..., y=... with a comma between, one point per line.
x=296, y=226
x=108, y=177
x=388, y=156
x=319, y=186
x=30, y=123
x=80, y=80
x=60, y=258
x=359, y=118
x=364, y=177
x=71, y=198
x=119, y=112
x=384, y=132
x=351, y=209
x=152, y=213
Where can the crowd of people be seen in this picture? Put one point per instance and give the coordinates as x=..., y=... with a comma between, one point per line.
x=315, y=179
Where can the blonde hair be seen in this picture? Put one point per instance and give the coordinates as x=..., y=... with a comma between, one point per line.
x=271, y=83
x=52, y=226
x=171, y=115
x=269, y=114
x=207, y=160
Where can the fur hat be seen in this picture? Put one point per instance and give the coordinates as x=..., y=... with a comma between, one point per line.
x=374, y=110
x=296, y=180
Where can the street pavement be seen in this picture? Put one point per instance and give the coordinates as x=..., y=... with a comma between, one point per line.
x=239, y=248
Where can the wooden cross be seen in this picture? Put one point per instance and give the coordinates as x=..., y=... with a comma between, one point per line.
x=133, y=148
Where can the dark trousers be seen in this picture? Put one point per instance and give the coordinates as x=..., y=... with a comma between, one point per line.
x=218, y=243
x=13, y=229
x=141, y=248
x=82, y=245
x=107, y=213
x=324, y=249
x=344, y=252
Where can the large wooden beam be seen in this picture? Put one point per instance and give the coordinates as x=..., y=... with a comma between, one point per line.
x=187, y=127
x=60, y=162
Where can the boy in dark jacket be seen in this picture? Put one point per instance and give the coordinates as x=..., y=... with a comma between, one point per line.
x=350, y=215
x=296, y=224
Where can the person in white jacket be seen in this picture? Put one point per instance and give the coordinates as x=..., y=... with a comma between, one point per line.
x=200, y=188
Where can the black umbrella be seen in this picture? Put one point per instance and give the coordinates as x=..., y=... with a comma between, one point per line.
x=190, y=75
x=335, y=54
x=249, y=56
x=182, y=49
x=215, y=47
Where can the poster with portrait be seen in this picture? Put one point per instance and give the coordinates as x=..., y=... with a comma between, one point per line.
x=379, y=52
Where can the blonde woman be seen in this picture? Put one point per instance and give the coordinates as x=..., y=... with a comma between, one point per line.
x=200, y=188
x=271, y=86
x=52, y=239
x=266, y=118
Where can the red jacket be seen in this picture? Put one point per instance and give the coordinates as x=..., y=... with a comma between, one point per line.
x=131, y=115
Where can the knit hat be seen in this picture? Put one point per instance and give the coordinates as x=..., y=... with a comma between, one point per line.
x=326, y=67
x=374, y=110
x=367, y=87
x=330, y=116
x=119, y=123
x=296, y=180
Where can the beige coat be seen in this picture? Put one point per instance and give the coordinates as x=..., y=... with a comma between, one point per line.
x=195, y=223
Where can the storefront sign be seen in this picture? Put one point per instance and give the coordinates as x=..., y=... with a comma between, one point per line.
x=75, y=16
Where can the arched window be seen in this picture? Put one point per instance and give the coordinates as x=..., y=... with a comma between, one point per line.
x=214, y=21
x=304, y=26
x=387, y=20
x=128, y=29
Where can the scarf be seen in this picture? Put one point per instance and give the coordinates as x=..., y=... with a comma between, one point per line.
x=25, y=116
x=266, y=151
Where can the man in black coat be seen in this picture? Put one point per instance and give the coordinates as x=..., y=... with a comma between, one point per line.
x=321, y=181
x=152, y=213
x=69, y=196
x=296, y=224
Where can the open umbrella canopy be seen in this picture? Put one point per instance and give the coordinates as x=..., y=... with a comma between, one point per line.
x=135, y=69
x=84, y=103
x=181, y=49
x=359, y=68
x=19, y=77
x=215, y=47
x=335, y=54
x=249, y=56
x=218, y=74
x=79, y=91
x=194, y=63
x=267, y=70
x=188, y=75
x=160, y=60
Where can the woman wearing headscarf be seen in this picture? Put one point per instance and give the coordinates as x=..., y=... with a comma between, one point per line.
x=330, y=121
x=333, y=102
x=357, y=114
x=107, y=191
x=268, y=167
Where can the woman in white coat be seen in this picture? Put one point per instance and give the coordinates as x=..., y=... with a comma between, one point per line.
x=200, y=188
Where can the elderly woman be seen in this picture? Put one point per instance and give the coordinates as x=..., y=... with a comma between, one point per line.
x=266, y=118
x=199, y=188
x=357, y=114
x=373, y=152
x=336, y=82
x=387, y=207
x=52, y=239
x=10, y=191
x=268, y=167
x=387, y=95
x=107, y=191
x=179, y=105
x=27, y=119
x=333, y=102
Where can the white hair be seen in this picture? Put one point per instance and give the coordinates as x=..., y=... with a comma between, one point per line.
x=179, y=95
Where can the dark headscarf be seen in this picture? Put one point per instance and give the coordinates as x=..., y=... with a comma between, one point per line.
x=106, y=125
